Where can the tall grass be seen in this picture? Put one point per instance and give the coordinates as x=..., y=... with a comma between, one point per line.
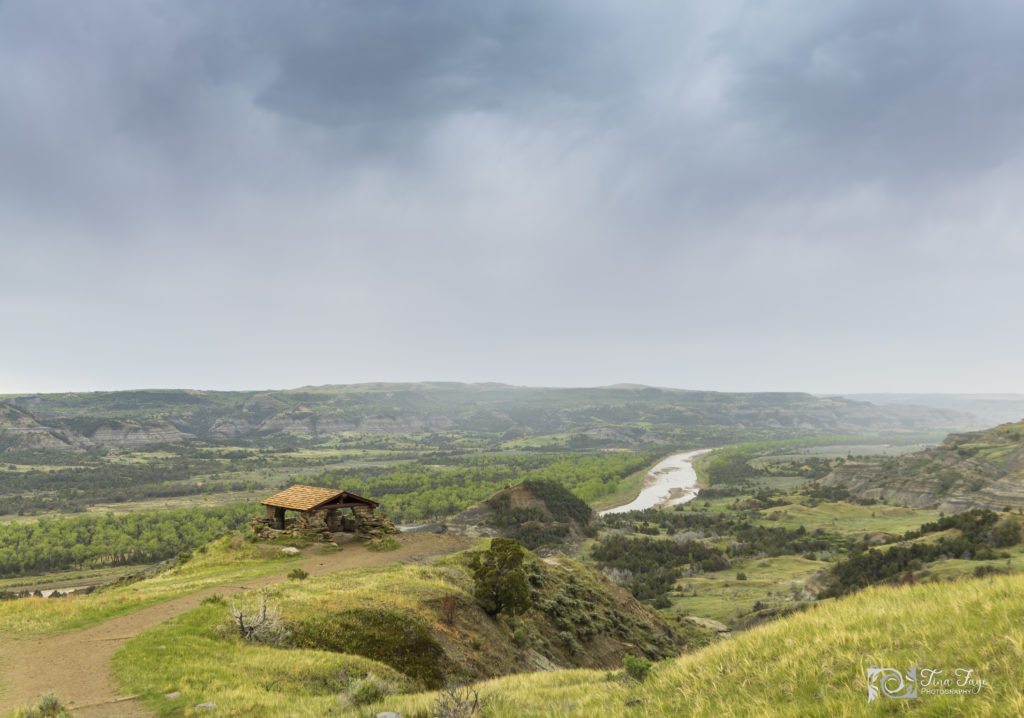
x=812, y=664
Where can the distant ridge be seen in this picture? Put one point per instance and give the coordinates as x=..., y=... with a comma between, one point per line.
x=620, y=415
x=991, y=409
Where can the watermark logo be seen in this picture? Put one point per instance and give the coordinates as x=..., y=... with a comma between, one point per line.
x=890, y=683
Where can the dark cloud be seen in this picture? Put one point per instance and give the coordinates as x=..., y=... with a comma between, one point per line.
x=774, y=195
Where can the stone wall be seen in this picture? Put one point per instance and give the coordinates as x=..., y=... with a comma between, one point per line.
x=371, y=526
x=314, y=525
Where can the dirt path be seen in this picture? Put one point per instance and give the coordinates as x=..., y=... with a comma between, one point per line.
x=76, y=665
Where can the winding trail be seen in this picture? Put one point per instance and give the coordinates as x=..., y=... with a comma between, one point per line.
x=76, y=665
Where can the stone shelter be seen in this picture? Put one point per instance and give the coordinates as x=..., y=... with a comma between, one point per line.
x=321, y=512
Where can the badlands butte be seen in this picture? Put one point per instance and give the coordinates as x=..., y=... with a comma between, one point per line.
x=979, y=469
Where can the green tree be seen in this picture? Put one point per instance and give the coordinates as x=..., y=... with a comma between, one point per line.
x=499, y=579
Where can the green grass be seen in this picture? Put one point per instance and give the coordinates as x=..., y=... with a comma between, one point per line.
x=810, y=664
x=627, y=490
x=721, y=597
x=851, y=519
x=226, y=560
x=197, y=654
x=391, y=615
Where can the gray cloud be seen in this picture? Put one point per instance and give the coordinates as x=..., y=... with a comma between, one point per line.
x=724, y=195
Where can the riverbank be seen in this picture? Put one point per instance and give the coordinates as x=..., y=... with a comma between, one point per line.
x=671, y=481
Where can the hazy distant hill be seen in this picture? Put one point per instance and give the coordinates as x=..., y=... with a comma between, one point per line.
x=990, y=408
x=981, y=469
x=617, y=415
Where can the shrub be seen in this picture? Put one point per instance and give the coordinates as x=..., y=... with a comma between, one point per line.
x=259, y=623
x=49, y=706
x=520, y=638
x=570, y=642
x=297, y=574
x=456, y=701
x=387, y=543
x=213, y=600
x=366, y=690
x=986, y=570
x=636, y=667
x=741, y=576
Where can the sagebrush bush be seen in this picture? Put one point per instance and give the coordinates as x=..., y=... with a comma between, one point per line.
x=49, y=706
x=367, y=690
x=260, y=623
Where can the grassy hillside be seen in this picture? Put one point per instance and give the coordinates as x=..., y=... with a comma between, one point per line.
x=810, y=664
x=422, y=624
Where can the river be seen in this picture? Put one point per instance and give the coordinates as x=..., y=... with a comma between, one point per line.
x=671, y=481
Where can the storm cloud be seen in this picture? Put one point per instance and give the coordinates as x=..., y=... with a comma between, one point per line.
x=714, y=195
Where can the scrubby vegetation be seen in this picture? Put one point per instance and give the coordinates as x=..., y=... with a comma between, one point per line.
x=976, y=535
x=652, y=566
x=810, y=664
x=559, y=515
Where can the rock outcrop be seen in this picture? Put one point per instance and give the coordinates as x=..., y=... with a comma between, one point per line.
x=971, y=470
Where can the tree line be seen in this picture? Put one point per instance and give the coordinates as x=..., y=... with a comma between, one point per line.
x=112, y=539
x=980, y=533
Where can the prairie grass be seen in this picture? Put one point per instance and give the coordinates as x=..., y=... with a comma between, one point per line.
x=810, y=664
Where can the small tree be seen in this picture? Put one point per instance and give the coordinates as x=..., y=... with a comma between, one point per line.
x=500, y=582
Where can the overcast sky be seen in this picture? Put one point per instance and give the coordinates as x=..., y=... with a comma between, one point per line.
x=768, y=195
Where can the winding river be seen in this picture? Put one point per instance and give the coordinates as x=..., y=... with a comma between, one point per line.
x=671, y=481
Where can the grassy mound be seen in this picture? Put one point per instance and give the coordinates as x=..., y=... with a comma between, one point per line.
x=810, y=664
x=399, y=640
x=193, y=659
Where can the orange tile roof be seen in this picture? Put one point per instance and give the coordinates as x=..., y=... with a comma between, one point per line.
x=302, y=498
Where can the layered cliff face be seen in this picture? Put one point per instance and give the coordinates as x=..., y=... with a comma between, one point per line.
x=982, y=469
x=18, y=428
